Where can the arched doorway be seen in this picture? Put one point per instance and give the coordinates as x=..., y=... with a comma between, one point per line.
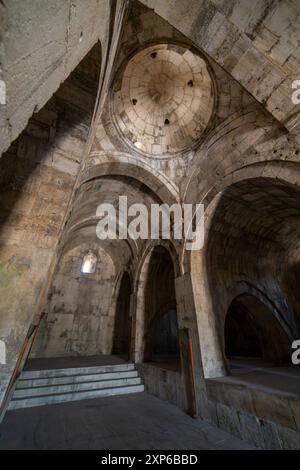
x=121, y=340
x=161, y=328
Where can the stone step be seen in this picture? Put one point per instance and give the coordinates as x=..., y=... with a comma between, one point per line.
x=46, y=387
x=67, y=397
x=47, y=373
x=74, y=388
x=72, y=379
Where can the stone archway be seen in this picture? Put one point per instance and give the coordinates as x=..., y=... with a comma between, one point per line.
x=267, y=208
x=156, y=289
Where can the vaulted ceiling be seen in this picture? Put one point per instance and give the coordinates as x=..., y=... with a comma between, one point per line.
x=257, y=42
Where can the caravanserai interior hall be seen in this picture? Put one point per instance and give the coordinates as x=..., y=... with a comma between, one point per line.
x=144, y=342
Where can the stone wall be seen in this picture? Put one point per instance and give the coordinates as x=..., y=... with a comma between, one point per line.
x=38, y=173
x=78, y=320
x=267, y=420
x=163, y=383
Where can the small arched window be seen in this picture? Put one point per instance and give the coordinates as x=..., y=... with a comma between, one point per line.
x=89, y=263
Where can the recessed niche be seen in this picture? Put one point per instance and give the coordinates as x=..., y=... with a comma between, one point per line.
x=191, y=83
x=167, y=122
x=153, y=55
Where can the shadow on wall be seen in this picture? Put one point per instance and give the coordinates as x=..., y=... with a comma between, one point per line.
x=161, y=328
x=122, y=330
x=52, y=142
x=252, y=331
x=37, y=175
x=165, y=340
x=291, y=283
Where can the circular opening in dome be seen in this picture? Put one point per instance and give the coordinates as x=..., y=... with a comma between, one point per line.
x=177, y=85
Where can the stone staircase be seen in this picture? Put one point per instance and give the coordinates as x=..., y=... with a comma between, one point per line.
x=47, y=387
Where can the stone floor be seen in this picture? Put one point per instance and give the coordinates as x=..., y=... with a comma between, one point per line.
x=137, y=421
x=283, y=381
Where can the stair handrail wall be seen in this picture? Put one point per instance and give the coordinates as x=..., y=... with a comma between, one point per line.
x=22, y=358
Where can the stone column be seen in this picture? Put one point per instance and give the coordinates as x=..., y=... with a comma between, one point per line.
x=211, y=351
x=187, y=319
x=137, y=313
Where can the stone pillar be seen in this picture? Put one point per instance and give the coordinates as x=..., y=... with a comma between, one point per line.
x=137, y=313
x=187, y=319
x=211, y=351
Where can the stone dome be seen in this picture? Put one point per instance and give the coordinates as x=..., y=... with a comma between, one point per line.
x=163, y=100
